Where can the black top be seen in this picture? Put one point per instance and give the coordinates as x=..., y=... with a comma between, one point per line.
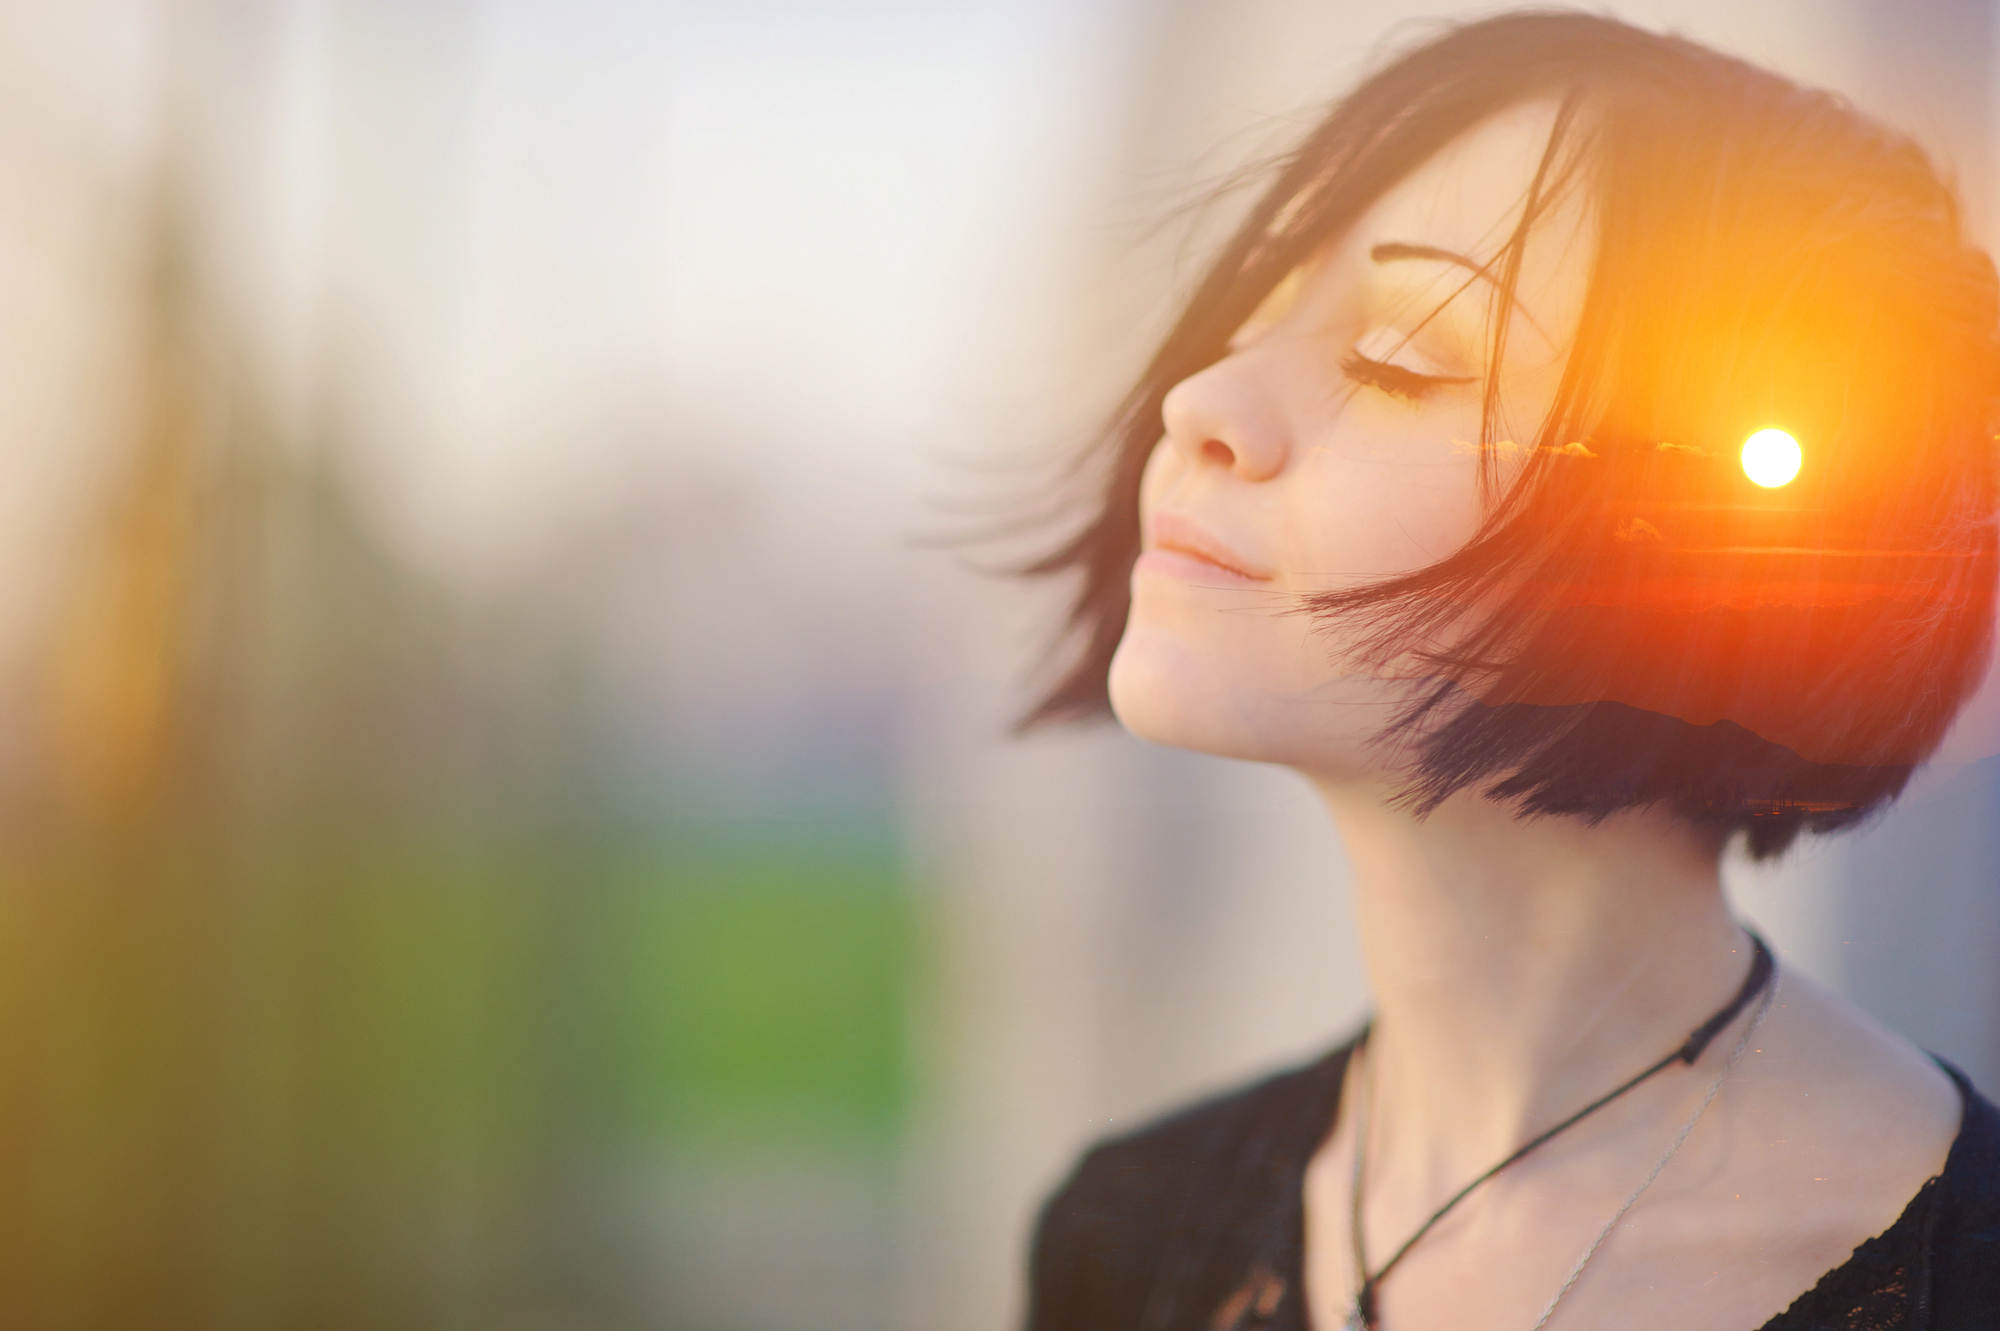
x=1197, y=1223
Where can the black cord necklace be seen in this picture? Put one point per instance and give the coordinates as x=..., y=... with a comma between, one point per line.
x=1690, y=1049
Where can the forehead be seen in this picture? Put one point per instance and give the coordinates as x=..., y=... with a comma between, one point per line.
x=1468, y=199
x=1470, y=194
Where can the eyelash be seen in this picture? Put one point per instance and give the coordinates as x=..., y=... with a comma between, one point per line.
x=1394, y=379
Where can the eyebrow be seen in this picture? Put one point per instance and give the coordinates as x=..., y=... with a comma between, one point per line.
x=1392, y=250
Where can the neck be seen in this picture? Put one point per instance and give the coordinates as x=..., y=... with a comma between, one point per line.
x=1520, y=968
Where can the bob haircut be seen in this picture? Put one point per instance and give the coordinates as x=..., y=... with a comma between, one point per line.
x=1634, y=622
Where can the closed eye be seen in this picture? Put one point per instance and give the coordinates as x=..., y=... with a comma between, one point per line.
x=1394, y=379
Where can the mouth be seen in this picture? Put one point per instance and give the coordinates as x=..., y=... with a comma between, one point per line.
x=1179, y=546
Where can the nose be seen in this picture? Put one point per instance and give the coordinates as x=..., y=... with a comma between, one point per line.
x=1220, y=417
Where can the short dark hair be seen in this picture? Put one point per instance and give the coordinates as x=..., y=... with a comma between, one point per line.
x=1634, y=623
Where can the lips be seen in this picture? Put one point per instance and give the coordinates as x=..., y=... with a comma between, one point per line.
x=1187, y=547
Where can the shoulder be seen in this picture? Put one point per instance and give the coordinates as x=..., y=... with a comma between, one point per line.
x=1961, y=1278
x=1196, y=1182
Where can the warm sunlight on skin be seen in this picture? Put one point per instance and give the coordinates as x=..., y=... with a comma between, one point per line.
x=1771, y=458
x=1328, y=446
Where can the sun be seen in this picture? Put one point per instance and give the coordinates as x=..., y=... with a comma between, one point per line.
x=1771, y=458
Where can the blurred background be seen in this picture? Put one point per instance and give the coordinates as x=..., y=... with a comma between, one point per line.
x=508, y=816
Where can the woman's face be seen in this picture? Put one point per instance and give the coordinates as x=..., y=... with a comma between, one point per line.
x=1337, y=443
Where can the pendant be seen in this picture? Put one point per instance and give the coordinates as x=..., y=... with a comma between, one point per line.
x=1357, y=1320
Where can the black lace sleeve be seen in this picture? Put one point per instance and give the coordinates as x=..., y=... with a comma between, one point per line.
x=1958, y=1280
x=1097, y=1244
x=1156, y=1230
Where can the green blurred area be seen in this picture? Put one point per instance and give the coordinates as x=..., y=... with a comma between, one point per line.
x=269, y=1094
x=337, y=1090
x=760, y=992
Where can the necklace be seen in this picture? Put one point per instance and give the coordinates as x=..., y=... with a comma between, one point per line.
x=1763, y=969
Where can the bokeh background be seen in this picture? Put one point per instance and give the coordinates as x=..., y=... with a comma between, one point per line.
x=508, y=816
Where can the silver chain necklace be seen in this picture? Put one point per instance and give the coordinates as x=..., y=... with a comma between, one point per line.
x=1362, y=1316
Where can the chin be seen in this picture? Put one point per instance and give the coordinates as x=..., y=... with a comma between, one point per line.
x=1165, y=693
x=1168, y=691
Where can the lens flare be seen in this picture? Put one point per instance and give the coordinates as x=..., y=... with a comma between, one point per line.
x=1771, y=458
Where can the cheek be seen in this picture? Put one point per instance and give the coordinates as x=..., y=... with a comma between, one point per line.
x=1243, y=674
x=1238, y=674
x=1236, y=681
x=1357, y=517
x=1255, y=687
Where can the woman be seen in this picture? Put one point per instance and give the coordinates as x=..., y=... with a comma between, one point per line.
x=1439, y=493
